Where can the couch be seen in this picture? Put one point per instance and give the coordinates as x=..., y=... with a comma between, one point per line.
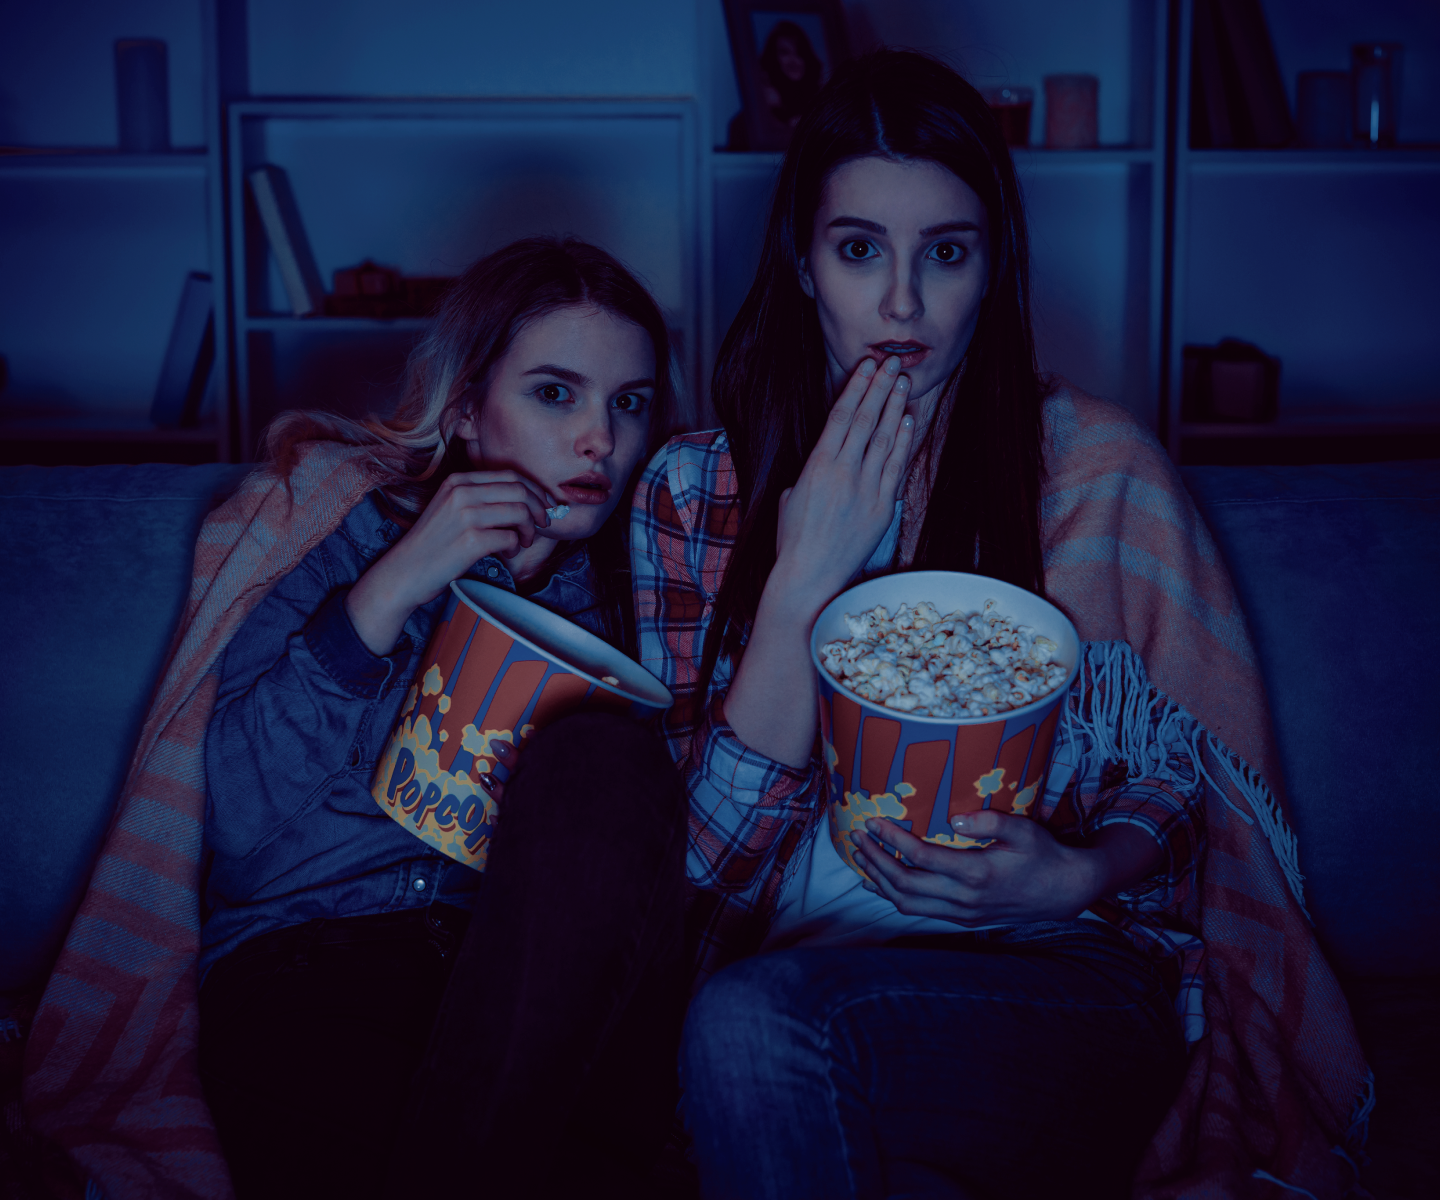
x=1337, y=567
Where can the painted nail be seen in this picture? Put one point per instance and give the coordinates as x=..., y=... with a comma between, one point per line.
x=488, y=781
x=961, y=822
x=892, y=364
x=867, y=368
x=902, y=384
x=907, y=422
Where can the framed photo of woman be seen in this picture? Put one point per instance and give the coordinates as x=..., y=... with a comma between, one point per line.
x=784, y=52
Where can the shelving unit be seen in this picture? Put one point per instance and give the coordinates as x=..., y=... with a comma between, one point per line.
x=1325, y=258
x=119, y=280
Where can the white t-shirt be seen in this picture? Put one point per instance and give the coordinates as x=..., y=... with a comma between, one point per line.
x=824, y=903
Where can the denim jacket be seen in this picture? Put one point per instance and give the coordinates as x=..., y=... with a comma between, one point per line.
x=302, y=714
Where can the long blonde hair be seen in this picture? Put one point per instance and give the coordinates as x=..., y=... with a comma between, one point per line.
x=448, y=373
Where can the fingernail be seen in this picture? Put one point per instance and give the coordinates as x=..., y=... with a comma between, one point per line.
x=961, y=822
x=902, y=384
x=488, y=781
x=867, y=368
x=907, y=422
x=892, y=364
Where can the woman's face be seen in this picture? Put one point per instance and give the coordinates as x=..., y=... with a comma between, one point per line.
x=569, y=408
x=791, y=61
x=898, y=264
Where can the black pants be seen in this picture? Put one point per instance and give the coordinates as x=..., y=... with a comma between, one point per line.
x=528, y=1055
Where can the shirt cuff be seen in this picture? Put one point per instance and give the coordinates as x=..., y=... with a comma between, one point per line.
x=745, y=775
x=331, y=638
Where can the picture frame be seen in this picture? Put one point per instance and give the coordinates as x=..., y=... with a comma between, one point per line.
x=784, y=52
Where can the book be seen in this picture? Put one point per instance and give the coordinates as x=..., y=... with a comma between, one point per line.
x=1257, y=72
x=1210, y=98
x=275, y=203
x=185, y=373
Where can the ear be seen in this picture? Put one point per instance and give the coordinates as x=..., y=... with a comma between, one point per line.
x=467, y=426
x=807, y=285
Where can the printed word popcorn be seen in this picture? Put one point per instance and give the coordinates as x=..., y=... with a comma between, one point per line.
x=960, y=665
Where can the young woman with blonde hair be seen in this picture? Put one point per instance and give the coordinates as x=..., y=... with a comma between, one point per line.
x=335, y=946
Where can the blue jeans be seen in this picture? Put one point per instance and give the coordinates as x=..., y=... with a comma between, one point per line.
x=1037, y=1060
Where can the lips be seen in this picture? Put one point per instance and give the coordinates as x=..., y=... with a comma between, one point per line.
x=590, y=488
x=910, y=353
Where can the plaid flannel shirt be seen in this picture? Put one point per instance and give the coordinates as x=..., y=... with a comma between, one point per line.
x=748, y=813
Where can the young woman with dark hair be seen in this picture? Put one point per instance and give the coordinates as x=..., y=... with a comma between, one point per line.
x=335, y=947
x=1008, y=1021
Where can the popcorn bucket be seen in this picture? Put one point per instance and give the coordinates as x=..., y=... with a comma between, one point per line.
x=922, y=771
x=498, y=668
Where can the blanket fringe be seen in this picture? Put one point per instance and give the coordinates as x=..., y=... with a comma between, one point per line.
x=1131, y=719
x=1289, y=1187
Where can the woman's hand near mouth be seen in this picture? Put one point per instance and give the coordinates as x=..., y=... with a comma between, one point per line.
x=830, y=523
x=473, y=514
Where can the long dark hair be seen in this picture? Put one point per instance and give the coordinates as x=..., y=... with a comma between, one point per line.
x=770, y=387
x=448, y=375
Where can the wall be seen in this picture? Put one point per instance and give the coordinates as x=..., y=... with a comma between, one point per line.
x=473, y=48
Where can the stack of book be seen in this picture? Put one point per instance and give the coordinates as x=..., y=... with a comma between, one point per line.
x=1237, y=95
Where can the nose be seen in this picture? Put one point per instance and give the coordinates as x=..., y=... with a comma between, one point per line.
x=902, y=300
x=595, y=440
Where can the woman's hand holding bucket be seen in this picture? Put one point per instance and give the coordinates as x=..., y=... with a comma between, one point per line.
x=1023, y=875
x=830, y=523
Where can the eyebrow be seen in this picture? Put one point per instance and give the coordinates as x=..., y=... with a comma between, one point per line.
x=580, y=380
x=929, y=231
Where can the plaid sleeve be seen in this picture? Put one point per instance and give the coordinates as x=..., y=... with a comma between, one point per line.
x=1145, y=777
x=682, y=532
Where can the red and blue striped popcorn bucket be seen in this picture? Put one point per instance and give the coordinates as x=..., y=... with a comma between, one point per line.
x=498, y=668
x=922, y=771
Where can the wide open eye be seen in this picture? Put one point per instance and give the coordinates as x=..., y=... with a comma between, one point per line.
x=552, y=393
x=858, y=249
x=630, y=402
x=947, y=252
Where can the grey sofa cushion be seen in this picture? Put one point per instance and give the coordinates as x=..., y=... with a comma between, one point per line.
x=1338, y=570
x=96, y=568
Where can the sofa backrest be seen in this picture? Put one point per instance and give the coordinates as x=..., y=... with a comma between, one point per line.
x=1338, y=570
x=96, y=569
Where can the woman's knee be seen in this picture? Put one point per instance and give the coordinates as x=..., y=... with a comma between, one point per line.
x=751, y=1014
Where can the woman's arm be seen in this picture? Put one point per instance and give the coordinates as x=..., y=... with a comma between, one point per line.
x=1024, y=875
x=1139, y=840
x=830, y=522
x=473, y=514
x=293, y=709
x=741, y=803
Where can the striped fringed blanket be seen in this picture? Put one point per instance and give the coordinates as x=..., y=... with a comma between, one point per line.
x=110, y=1071
x=1277, y=1084
x=1278, y=1093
